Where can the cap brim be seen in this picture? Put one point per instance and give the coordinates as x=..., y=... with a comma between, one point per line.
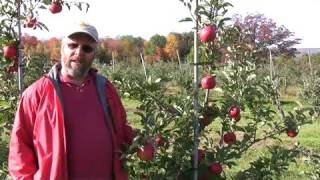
x=84, y=32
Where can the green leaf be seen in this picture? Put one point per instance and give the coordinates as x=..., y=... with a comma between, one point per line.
x=187, y=19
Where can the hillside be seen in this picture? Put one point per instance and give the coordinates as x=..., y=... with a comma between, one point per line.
x=311, y=50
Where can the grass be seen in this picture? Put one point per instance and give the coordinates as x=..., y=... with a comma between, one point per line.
x=309, y=136
x=131, y=107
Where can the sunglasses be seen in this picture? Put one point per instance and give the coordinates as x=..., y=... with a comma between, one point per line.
x=85, y=48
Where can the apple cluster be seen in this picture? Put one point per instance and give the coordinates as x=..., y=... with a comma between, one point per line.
x=10, y=51
x=147, y=151
x=31, y=21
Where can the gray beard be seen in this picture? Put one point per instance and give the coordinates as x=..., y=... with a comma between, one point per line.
x=78, y=73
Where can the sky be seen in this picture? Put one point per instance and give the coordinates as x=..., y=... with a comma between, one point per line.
x=145, y=18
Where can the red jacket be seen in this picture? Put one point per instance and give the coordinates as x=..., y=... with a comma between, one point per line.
x=38, y=141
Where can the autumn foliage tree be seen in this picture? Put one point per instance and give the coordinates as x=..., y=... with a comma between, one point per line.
x=53, y=48
x=171, y=47
x=111, y=48
x=132, y=47
x=257, y=33
x=153, y=49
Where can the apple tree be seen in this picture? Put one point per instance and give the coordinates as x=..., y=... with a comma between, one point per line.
x=236, y=108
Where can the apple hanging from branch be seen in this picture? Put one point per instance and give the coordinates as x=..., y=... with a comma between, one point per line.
x=159, y=140
x=208, y=82
x=9, y=51
x=207, y=34
x=201, y=155
x=234, y=112
x=292, y=133
x=229, y=138
x=146, y=153
x=55, y=7
x=30, y=22
x=215, y=168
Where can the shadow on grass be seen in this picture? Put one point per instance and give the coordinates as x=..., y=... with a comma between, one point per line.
x=288, y=103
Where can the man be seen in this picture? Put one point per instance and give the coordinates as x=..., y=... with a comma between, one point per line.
x=70, y=124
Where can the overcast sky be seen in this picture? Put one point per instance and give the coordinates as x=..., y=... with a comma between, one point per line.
x=145, y=18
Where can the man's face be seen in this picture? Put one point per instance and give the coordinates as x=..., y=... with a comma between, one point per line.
x=77, y=54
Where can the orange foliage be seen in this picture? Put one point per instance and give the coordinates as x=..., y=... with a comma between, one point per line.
x=29, y=44
x=171, y=47
x=54, y=45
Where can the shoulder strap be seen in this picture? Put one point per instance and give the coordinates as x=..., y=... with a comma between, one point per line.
x=53, y=75
x=101, y=87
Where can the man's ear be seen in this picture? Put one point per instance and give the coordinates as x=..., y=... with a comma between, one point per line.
x=96, y=49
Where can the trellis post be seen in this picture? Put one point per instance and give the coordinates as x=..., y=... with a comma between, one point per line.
x=20, y=52
x=195, y=97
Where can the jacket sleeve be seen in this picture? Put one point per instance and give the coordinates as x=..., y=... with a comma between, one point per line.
x=125, y=133
x=22, y=160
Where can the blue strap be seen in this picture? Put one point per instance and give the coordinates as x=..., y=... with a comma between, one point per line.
x=101, y=83
x=54, y=78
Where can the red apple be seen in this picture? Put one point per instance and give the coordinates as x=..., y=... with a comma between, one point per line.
x=292, y=133
x=10, y=51
x=201, y=155
x=159, y=140
x=146, y=153
x=12, y=69
x=207, y=33
x=208, y=82
x=229, y=138
x=215, y=168
x=55, y=7
x=238, y=118
x=30, y=22
x=234, y=112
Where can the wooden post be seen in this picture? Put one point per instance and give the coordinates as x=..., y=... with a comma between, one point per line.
x=113, y=60
x=195, y=98
x=20, y=53
x=144, y=67
x=271, y=65
x=179, y=59
x=310, y=63
x=277, y=87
